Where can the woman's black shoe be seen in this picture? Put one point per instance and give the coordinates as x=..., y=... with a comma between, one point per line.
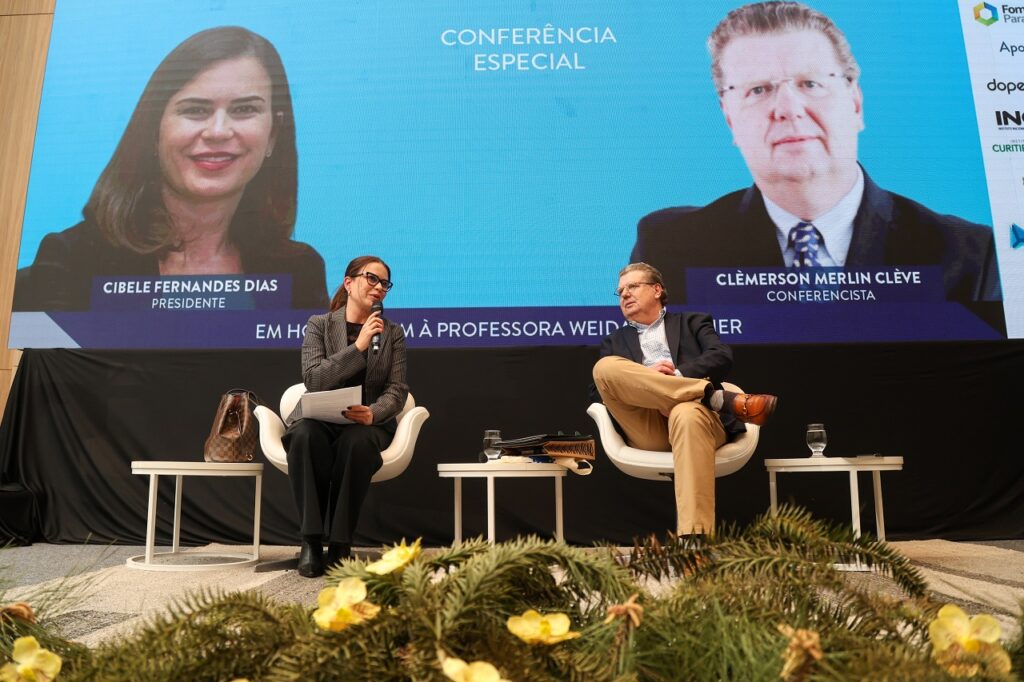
x=336, y=551
x=311, y=560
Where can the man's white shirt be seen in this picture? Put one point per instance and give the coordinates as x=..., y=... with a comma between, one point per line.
x=835, y=226
x=654, y=341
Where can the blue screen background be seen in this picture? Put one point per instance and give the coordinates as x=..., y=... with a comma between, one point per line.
x=499, y=188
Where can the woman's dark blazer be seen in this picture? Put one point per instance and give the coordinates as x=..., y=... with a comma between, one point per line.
x=328, y=360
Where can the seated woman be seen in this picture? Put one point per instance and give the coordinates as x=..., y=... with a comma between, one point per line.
x=330, y=465
x=203, y=182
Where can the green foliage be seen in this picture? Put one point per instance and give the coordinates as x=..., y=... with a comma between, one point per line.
x=56, y=596
x=204, y=637
x=1016, y=647
x=719, y=611
x=459, y=599
x=787, y=546
x=686, y=637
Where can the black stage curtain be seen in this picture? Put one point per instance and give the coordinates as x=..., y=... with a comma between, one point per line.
x=75, y=420
x=19, y=521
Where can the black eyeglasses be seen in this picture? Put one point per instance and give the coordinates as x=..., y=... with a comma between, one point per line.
x=373, y=280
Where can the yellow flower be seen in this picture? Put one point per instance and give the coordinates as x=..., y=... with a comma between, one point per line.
x=343, y=605
x=31, y=663
x=953, y=627
x=477, y=671
x=395, y=558
x=533, y=628
x=963, y=646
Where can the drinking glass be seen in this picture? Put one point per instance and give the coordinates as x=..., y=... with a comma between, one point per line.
x=491, y=437
x=816, y=439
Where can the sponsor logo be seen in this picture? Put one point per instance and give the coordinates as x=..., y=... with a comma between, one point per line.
x=1014, y=50
x=1008, y=87
x=1012, y=14
x=1009, y=120
x=985, y=14
x=1016, y=236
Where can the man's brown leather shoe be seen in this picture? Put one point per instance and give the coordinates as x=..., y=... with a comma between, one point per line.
x=753, y=408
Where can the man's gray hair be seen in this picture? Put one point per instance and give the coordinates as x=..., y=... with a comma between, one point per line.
x=653, y=274
x=761, y=18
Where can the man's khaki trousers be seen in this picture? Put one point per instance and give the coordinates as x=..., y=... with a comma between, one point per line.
x=639, y=398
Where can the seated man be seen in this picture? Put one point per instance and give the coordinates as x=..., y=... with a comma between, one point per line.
x=659, y=378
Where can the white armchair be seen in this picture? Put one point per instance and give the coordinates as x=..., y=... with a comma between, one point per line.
x=396, y=457
x=657, y=466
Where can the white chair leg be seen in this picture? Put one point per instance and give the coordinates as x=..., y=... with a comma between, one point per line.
x=490, y=509
x=176, y=537
x=559, y=535
x=879, y=511
x=458, y=510
x=256, y=519
x=154, y=482
x=855, y=503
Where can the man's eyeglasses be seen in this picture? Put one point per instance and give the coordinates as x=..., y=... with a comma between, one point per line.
x=814, y=86
x=630, y=288
x=373, y=280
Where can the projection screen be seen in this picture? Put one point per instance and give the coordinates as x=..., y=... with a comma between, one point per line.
x=506, y=160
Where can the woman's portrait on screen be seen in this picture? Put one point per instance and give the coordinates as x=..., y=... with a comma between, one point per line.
x=203, y=182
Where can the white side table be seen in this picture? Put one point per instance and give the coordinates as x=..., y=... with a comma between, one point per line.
x=175, y=560
x=494, y=470
x=873, y=463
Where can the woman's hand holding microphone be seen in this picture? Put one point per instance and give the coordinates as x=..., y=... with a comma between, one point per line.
x=374, y=325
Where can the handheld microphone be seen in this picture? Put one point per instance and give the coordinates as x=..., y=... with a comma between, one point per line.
x=377, y=307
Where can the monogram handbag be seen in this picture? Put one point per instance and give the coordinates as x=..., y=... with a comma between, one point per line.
x=235, y=435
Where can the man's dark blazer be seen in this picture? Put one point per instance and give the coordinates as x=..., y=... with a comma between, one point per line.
x=696, y=352
x=735, y=231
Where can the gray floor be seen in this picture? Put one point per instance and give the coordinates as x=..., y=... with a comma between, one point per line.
x=40, y=562
x=1015, y=545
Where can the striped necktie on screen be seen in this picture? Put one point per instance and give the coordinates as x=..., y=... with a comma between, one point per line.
x=805, y=241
